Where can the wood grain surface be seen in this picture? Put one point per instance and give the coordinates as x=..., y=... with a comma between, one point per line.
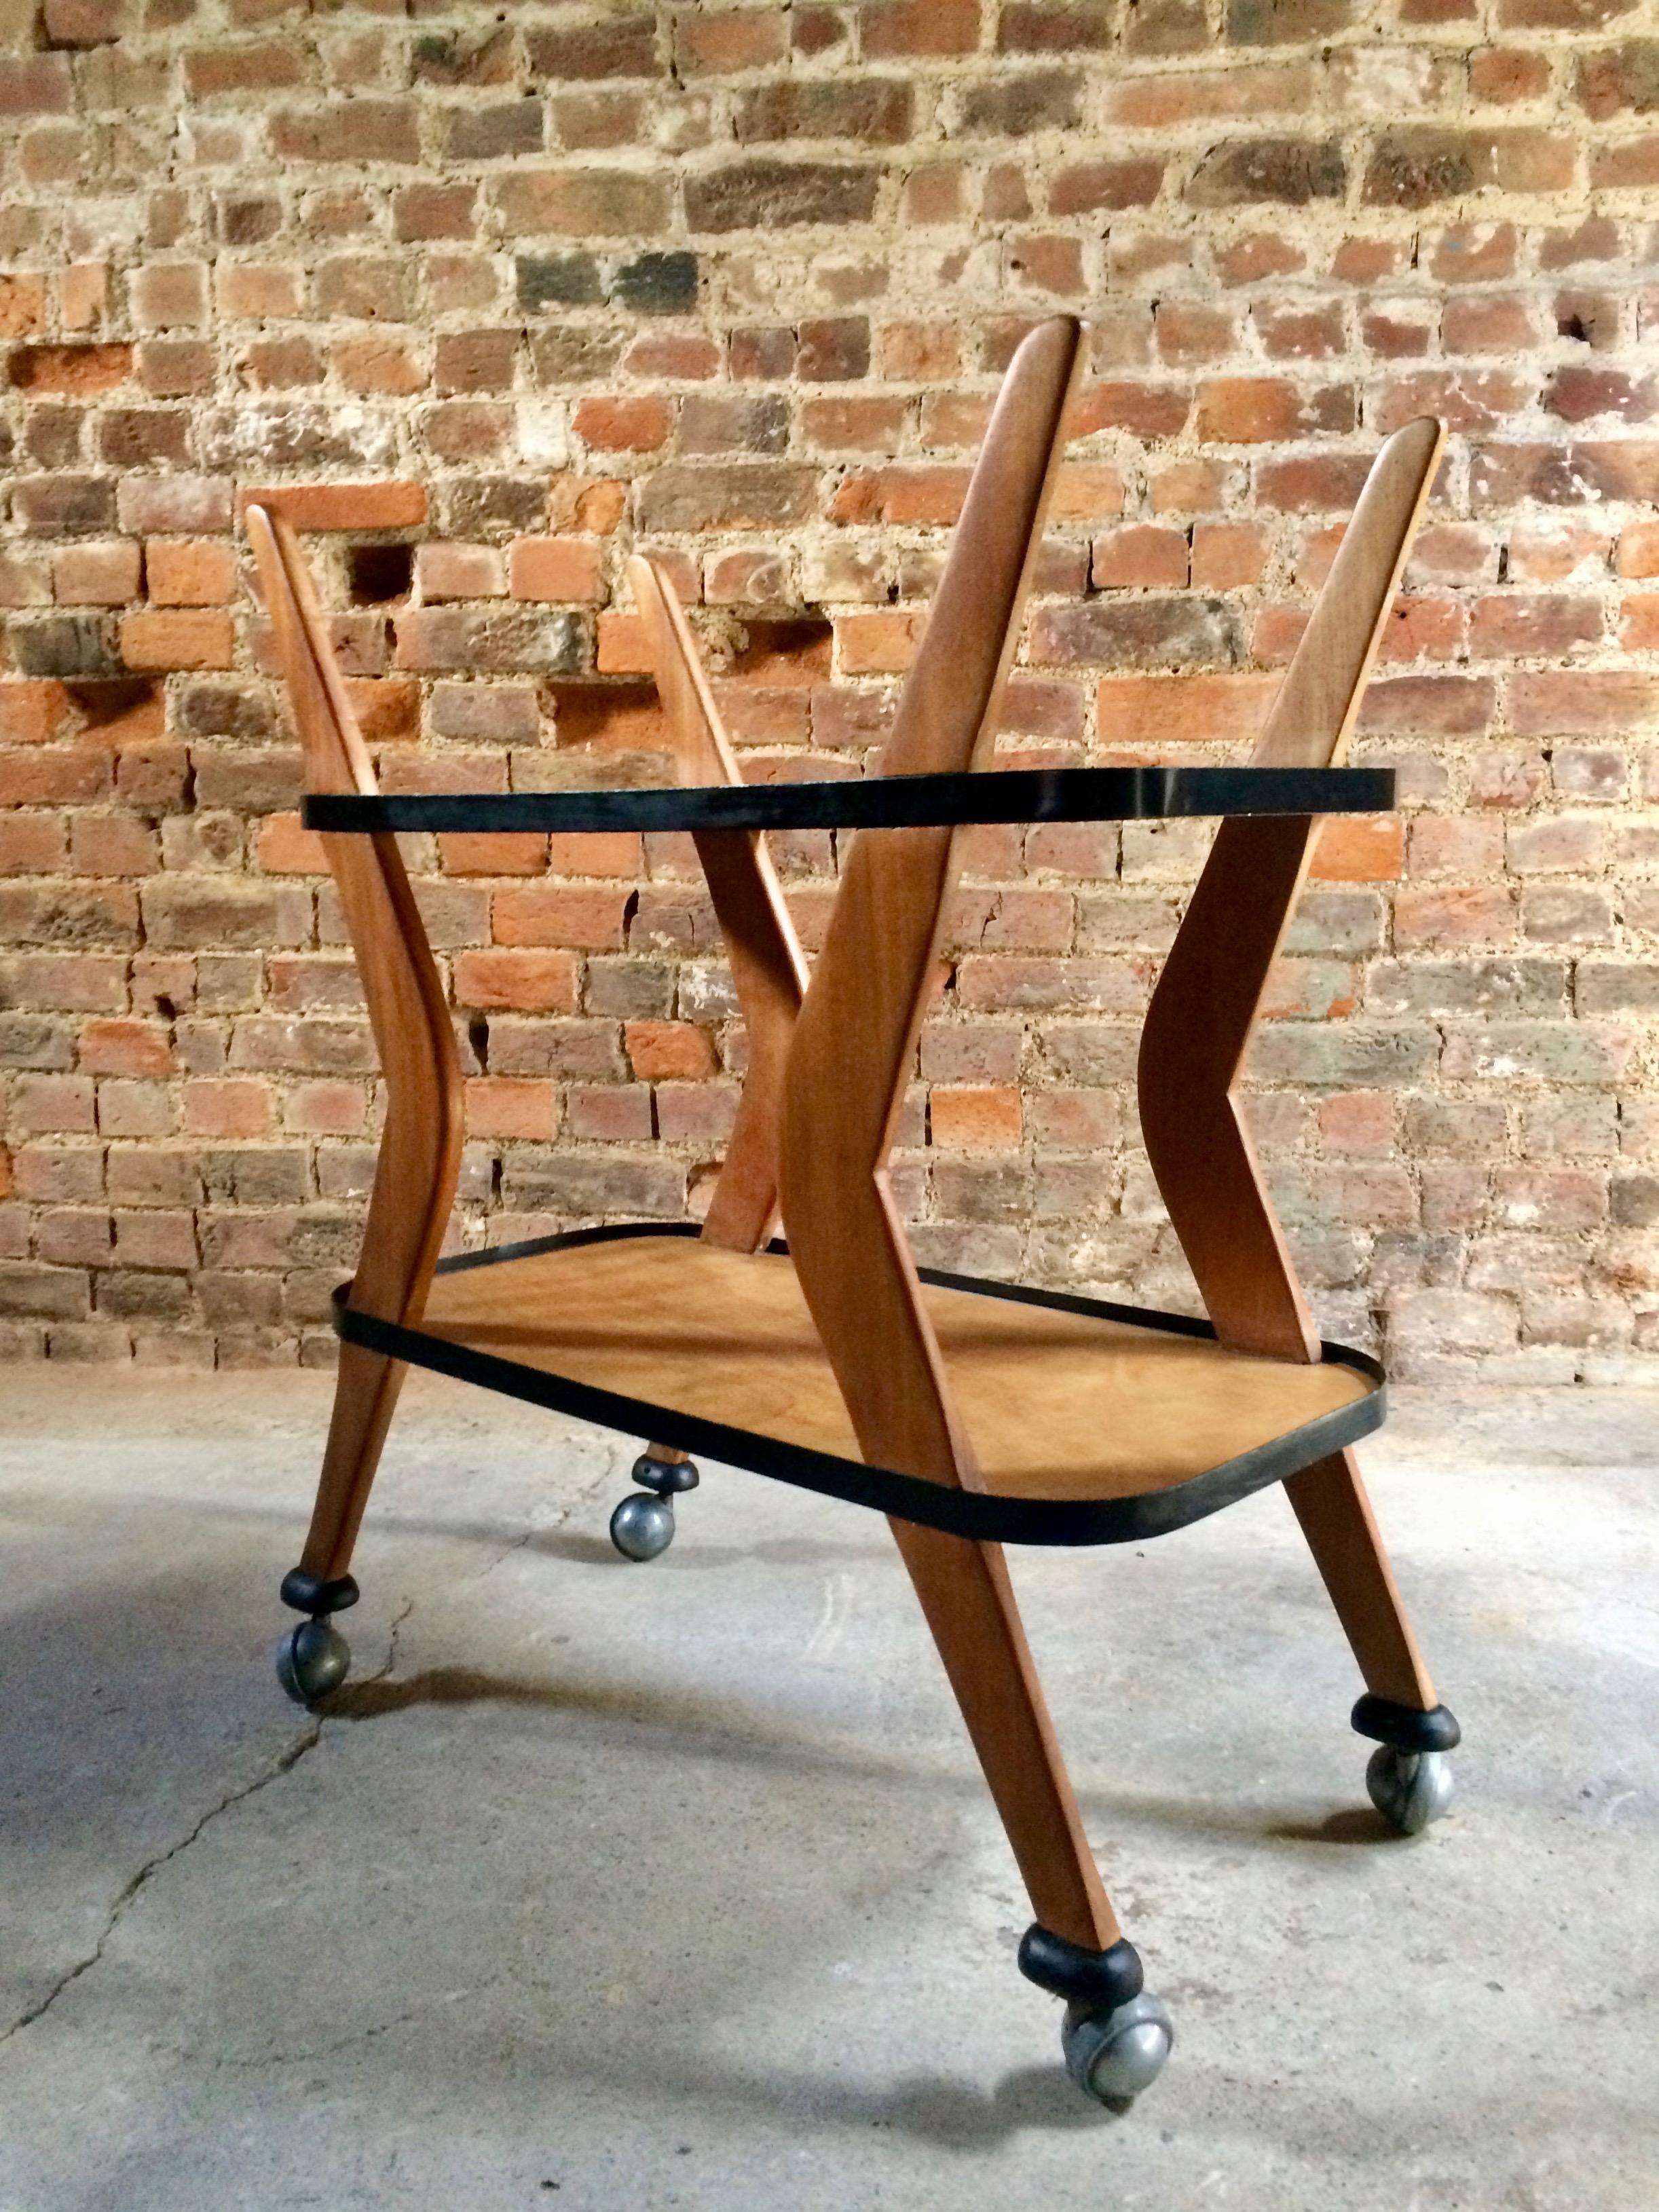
x=1059, y=1405
x=768, y=968
x=1205, y=1006
x=420, y=1153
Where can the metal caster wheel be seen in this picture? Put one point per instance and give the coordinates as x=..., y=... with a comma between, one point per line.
x=1115, y=2055
x=311, y=1660
x=1409, y=1789
x=642, y=1527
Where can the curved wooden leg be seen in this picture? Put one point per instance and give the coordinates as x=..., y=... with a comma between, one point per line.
x=415, y=1180
x=364, y=1398
x=1329, y=1500
x=969, y=1602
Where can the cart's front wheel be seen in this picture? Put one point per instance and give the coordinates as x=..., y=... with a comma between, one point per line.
x=311, y=1660
x=1409, y=1789
x=1115, y=2055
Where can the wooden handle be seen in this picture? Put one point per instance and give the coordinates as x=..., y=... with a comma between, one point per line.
x=768, y=968
x=855, y=1040
x=1209, y=995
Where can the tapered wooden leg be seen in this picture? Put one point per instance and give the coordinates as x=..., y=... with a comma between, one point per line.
x=969, y=1602
x=415, y=1180
x=1329, y=1500
x=364, y=1397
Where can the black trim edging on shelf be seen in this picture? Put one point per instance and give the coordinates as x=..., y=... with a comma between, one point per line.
x=985, y=1516
x=874, y=802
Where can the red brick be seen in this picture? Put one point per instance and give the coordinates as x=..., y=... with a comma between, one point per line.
x=975, y=1117
x=462, y=853
x=1140, y=554
x=627, y=426
x=517, y=981
x=284, y=848
x=111, y=845
x=35, y=84
x=1095, y=186
x=53, y=778
x=663, y=1052
x=512, y=1107
x=1228, y=554
x=582, y=203
x=228, y=1108
x=33, y=845
x=96, y=575
x=1250, y=409
x=1524, y=625
x=564, y=570
x=716, y=44
x=273, y=66
x=347, y=130
x=458, y=572
x=383, y=506
x=78, y=372
x=23, y=306
x=1584, y=702
x=1137, y=713
x=1360, y=848
x=196, y=573
x=878, y=644
x=177, y=640
x=555, y=914
x=125, y=1047
x=901, y=29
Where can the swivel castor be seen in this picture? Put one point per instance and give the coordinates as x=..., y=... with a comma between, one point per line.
x=1116, y=2034
x=643, y=1526
x=1409, y=1789
x=1115, y=2055
x=1408, y=1776
x=314, y=1658
x=311, y=1660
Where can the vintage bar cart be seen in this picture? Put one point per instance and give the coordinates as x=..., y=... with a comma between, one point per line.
x=972, y=1414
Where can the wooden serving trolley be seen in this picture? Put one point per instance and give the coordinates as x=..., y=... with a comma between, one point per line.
x=974, y=1414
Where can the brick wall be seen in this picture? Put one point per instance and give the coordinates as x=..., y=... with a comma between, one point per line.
x=496, y=293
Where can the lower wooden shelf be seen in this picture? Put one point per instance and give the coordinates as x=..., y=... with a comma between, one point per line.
x=1092, y=1423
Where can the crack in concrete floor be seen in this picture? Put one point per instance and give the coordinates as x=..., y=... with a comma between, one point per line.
x=284, y=1763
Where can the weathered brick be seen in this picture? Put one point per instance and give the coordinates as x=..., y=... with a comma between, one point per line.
x=456, y=637
x=1291, y=172
x=585, y=203
x=1138, y=633
x=766, y=195
x=1414, y=164
x=623, y=44
x=345, y=132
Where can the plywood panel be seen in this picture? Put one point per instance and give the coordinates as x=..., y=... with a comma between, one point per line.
x=1056, y=1405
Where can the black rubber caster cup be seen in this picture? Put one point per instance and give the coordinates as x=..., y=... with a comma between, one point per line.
x=1409, y=1776
x=313, y=1659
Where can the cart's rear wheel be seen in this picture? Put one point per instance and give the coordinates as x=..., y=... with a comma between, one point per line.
x=642, y=1527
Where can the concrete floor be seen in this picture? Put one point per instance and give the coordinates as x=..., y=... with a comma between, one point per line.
x=620, y=1886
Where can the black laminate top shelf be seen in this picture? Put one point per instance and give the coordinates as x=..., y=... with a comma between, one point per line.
x=896, y=802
